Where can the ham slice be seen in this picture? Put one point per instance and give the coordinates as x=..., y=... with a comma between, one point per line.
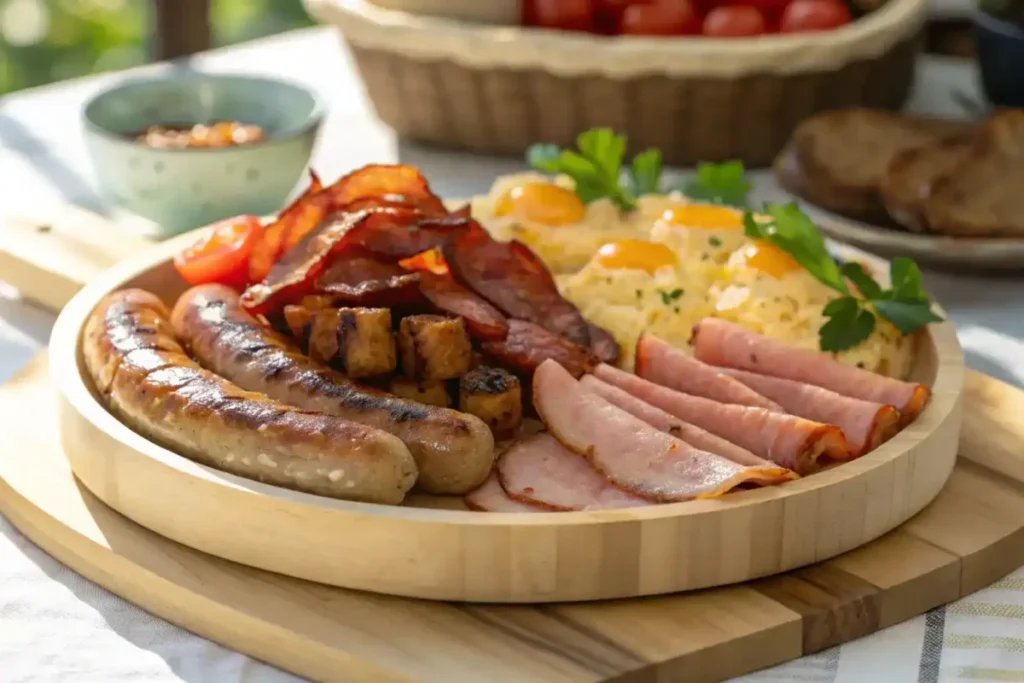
x=541, y=471
x=490, y=497
x=727, y=344
x=787, y=440
x=631, y=453
x=660, y=362
x=659, y=419
x=866, y=425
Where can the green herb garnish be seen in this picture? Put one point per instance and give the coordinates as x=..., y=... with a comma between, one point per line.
x=596, y=167
x=851, y=317
x=714, y=242
x=668, y=297
x=724, y=183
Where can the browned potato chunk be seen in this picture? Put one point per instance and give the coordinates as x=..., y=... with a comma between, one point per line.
x=299, y=321
x=495, y=396
x=356, y=341
x=431, y=393
x=434, y=347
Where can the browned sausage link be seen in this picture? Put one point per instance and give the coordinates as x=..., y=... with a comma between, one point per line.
x=432, y=393
x=153, y=386
x=454, y=451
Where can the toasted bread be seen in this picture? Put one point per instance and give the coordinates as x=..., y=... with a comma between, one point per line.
x=907, y=181
x=836, y=159
x=982, y=196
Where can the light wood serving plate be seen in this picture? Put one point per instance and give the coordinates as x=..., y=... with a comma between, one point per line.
x=421, y=551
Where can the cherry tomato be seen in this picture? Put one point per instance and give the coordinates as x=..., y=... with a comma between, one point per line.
x=222, y=255
x=661, y=18
x=608, y=14
x=766, y=7
x=814, y=15
x=570, y=15
x=734, y=22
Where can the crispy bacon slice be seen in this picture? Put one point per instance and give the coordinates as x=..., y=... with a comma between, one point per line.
x=490, y=497
x=540, y=471
x=482, y=320
x=631, y=453
x=787, y=440
x=528, y=345
x=272, y=244
x=395, y=184
x=659, y=362
x=727, y=344
x=402, y=233
x=515, y=281
x=431, y=261
x=361, y=279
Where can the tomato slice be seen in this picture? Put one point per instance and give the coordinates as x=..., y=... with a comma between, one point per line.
x=222, y=255
x=661, y=18
x=734, y=22
x=814, y=15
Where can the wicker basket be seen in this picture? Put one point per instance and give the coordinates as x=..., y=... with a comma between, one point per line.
x=499, y=89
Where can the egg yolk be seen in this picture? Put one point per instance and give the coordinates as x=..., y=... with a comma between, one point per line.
x=636, y=255
x=704, y=216
x=541, y=203
x=769, y=259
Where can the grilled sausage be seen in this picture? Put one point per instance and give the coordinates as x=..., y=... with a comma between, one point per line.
x=432, y=393
x=495, y=396
x=454, y=451
x=434, y=347
x=357, y=341
x=150, y=383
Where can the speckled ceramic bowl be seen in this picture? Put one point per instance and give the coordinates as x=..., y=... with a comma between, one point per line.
x=181, y=189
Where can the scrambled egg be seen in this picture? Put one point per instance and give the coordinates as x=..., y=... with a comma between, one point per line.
x=668, y=264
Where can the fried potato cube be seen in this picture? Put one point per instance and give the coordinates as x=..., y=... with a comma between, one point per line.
x=356, y=341
x=495, y=396
x=434, y=347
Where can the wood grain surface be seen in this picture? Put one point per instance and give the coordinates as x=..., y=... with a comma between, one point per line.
x=970, y=536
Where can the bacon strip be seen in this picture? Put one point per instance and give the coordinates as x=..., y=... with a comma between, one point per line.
x=631, y=453
x=726, y=344
x=661, y=363
x=541, y=471
x=509, y=276
x=490, y=497
x=792, y=442
x=528, y=345
x=659, y=419
x=395, y=184
x=363, y=280
x=866, y=425
x=482, y=320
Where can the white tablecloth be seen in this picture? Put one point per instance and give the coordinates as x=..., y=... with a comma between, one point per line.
x=57, y=627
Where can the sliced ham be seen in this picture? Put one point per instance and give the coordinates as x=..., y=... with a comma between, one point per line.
x=661, y=363
x=866, y=425
x=631, y=453
x=787, y=440
x=490, y=497
x=539, y=470
x=659, y=419
x=727, y=344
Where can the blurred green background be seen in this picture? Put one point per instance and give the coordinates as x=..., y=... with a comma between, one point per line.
x=42, y=41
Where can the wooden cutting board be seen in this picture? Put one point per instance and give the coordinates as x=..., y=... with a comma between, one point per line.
x=970, y=536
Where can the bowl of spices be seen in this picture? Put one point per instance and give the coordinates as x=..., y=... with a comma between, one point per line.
x=188, y=149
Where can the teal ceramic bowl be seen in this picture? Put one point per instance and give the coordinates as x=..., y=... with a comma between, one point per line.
x=181, y=189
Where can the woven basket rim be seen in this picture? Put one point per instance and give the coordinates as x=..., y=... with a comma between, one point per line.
x=566, y=53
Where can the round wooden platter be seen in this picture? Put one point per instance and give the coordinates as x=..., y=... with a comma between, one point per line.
x=420, y=551
x=970, y=536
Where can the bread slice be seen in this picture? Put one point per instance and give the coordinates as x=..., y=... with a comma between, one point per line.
x=836, y=160
x=984, y=195
x=907, y=181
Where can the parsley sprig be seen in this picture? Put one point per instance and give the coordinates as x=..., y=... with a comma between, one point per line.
x=596, y=166
x=851, y=316
x=724, y=183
